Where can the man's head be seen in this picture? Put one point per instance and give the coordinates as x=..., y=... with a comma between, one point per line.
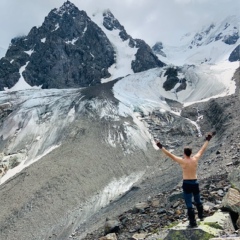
x=188, y=151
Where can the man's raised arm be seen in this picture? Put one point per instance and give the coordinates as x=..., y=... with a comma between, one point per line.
x=203, y=148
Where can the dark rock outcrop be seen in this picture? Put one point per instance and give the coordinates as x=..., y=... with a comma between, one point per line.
x=157, y=49
x=145, y=58
x=173, y=79
x=235, y=55
x=231, y=39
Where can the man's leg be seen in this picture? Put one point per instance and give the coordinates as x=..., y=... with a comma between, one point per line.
x=188, y=199
x=197, y=199
x=199, y=206
x=191, y=217
x=190, y=210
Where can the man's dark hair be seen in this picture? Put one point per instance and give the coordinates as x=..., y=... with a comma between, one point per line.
x=188, y=151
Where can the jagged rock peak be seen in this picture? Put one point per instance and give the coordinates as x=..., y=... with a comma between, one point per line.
x=67, y=7
x=110, y=22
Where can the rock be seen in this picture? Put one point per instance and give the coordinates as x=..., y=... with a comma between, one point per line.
x=231, y=200
x=5, y=106
x=155, y=203
x=220, y=193
x=161, y=235
x=111, y=226
x=161, y=211
x=238, y=223
x=210, y=227
x=170, y=212
x=220, y=220
x=207, y=206
x=176, y=204
x=186, y=234
x=111, y=236
x=175, y=195
x=178, y=212
x=140, y=207
x=234, y=178
x=139, y=236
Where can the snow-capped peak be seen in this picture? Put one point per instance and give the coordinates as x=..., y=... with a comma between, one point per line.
x=226, y=31
x=212, y=44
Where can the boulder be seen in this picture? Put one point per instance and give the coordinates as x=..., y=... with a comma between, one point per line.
x=139, y=236
x=175, y=196
x=211, y=227
x=238, y=223
x=111, y=226
x=140, y=207
x=219, y=221
x=231, y=200
x=110, y=236
x=234, y=178
x=155, y=202
x=186, y=234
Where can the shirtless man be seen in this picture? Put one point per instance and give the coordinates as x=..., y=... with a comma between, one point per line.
x=190, y=185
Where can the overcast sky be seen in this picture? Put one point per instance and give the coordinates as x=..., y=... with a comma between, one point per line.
x=150, y=20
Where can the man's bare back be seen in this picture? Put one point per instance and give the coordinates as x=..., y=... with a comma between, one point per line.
x=189, y=168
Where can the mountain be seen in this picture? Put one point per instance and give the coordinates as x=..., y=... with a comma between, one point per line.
x=70, y=50
x=212, y=44
x=72, y=157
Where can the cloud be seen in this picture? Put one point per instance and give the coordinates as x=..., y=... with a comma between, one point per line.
x=151, y=20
